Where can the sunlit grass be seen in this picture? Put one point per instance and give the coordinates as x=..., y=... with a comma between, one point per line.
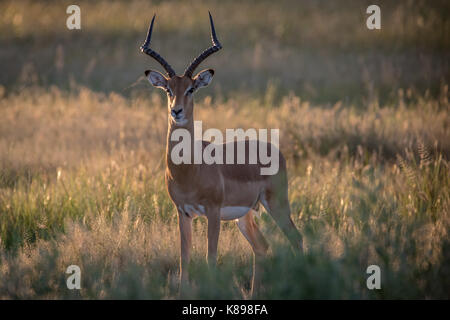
x=364, y=124
x=82, y=183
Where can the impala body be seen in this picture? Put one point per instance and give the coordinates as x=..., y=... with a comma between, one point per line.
x=217, y=191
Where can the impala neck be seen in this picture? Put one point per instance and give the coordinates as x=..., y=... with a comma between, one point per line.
x=180, y=171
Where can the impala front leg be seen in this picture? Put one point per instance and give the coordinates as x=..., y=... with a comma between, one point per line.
x=213, y=215
x=185, y=223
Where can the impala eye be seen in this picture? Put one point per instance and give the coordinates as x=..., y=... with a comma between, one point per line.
x=169, y=92
x=190, y=91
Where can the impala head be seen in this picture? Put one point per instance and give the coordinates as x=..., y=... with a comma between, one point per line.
x=180, y=89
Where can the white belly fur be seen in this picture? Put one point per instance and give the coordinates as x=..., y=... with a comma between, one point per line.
x=226, y=213
x=231, y=213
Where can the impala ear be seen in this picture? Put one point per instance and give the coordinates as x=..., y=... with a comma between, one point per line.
x=203, y=78
x=156, y=79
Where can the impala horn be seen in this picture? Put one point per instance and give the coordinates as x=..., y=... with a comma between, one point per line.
x=145, y=48
x=205, y=54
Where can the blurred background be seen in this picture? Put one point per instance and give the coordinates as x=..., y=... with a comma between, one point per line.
x=364, y=125
x=321, y=50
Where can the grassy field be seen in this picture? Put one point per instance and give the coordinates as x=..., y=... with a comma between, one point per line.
x=364, y=124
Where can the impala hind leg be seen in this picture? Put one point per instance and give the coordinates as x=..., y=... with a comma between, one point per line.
x=277, y=205
x=259, y=245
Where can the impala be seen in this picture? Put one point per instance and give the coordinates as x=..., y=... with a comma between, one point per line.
x=217, y=191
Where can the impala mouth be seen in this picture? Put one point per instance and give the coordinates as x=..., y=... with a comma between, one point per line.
x=180, y=121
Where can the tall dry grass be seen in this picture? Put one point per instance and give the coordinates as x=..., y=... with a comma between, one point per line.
x=321, y=50
x=82, y=183
x=364, y=123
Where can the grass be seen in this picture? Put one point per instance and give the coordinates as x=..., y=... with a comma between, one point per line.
x=85, y=186
x=364, y=124
x=321, y=51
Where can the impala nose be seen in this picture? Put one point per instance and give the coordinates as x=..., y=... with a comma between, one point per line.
x=175, y=113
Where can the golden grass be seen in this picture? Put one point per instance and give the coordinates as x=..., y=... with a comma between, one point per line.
x=364, y=124
x=321, y=51
x=82, y=183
